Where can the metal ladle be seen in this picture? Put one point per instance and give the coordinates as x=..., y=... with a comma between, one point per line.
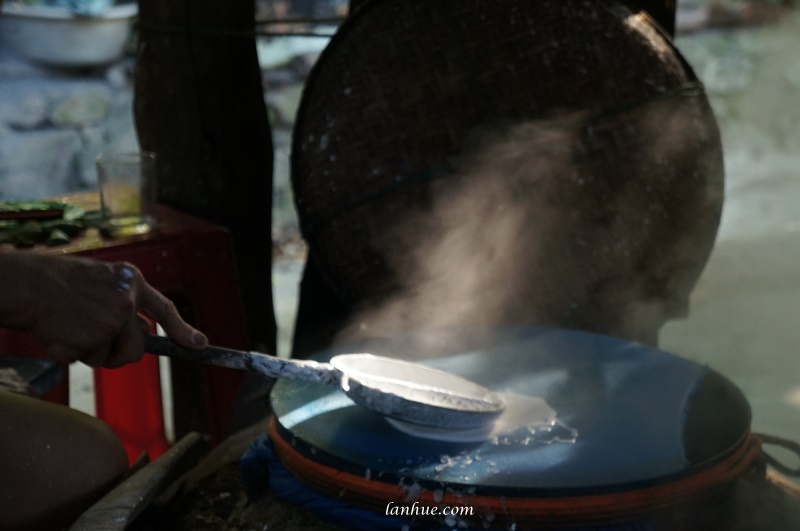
x=397, y=389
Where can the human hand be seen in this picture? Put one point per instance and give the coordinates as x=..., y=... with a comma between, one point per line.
x=86, y=310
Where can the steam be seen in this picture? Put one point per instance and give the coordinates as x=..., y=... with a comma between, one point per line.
x=462, y=262
x=566, y=221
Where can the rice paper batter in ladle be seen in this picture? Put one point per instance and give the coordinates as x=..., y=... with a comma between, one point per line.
x=524, y=420
x=408, y=392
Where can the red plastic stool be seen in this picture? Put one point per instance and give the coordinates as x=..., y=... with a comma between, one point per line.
x=191, y=261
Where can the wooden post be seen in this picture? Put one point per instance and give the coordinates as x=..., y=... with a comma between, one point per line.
x=199, y=104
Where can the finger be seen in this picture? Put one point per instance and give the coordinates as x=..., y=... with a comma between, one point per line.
x=97, y=357
x=163, y=310
x=127, y=346
x=62, y=352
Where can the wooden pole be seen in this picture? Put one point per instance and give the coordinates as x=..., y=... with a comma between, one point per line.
x=199, y=105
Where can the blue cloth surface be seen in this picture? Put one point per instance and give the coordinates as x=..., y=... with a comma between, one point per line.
x=627, y=403
x=261, y=470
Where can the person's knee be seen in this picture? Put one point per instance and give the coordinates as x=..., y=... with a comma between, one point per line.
x=60, y=461
x=99, y=453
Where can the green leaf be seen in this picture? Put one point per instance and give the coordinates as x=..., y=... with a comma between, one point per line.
x=70, y=228
x=24, y=240
x=31, y=228
x=57, y=237
x=73, y=212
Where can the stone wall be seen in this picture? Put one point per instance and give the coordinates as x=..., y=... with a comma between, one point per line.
x=54, y=123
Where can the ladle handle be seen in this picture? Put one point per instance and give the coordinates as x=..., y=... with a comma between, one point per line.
x=272, y=366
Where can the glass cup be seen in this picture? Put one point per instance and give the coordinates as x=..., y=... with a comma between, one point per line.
x=127, y=184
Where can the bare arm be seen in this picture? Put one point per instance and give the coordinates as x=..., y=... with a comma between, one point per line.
x=86, y=310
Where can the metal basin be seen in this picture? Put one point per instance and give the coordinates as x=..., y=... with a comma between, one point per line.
x=54, y=36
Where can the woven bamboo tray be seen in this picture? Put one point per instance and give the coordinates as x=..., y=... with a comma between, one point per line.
x=402, y=88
